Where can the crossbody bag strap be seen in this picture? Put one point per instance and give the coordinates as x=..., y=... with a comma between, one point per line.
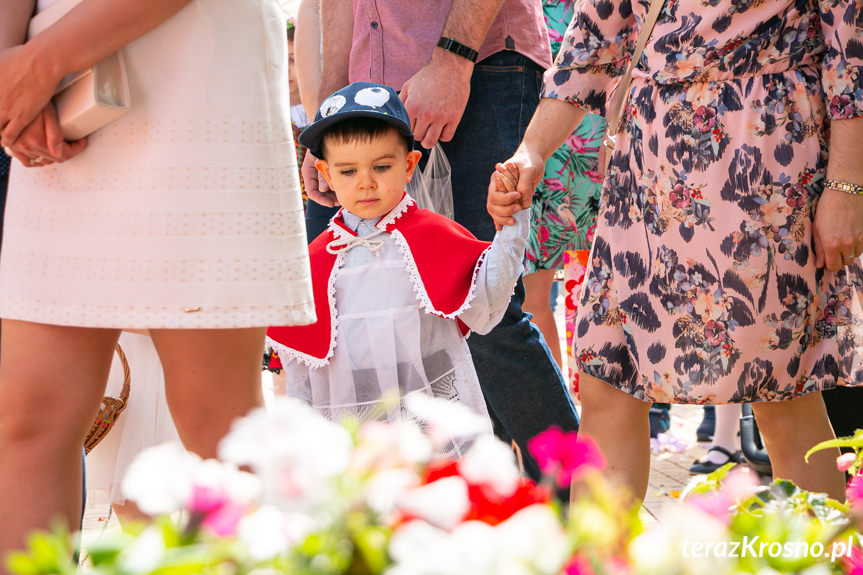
x=616, y=117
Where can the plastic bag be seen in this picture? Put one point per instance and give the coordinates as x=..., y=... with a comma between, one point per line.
x=431, y=187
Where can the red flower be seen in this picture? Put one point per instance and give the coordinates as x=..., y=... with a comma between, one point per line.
x=486, y=504
x=565, y=456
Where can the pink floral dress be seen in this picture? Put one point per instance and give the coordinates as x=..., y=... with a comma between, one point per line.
x=701, y=286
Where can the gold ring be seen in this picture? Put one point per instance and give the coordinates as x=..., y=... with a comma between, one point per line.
x=848, y=258
x=36, y=160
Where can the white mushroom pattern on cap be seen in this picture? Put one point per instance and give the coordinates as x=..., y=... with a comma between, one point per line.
x=332, y=105
x=374, y=97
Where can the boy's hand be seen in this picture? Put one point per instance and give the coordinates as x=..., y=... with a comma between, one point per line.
x=503, y=198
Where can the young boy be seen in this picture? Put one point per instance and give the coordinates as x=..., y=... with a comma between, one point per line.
x=397, y=288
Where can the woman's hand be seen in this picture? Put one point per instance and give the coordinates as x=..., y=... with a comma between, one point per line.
x=838, y=229
x=41, y=143
x=25, y=91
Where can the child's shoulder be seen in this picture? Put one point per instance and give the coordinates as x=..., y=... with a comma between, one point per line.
x=434, y=222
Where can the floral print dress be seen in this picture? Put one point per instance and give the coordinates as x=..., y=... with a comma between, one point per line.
x=563, y=210
x=702, y=287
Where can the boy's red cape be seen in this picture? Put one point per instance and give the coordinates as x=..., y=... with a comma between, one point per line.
x=441, y=257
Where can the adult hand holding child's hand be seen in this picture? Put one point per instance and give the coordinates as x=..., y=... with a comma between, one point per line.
x=504, y=199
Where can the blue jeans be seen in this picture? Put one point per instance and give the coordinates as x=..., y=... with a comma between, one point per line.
x=522, y=385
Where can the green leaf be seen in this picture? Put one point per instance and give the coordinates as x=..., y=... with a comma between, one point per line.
x=855, y=442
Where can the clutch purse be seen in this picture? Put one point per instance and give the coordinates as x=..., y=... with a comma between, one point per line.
x=90, y=99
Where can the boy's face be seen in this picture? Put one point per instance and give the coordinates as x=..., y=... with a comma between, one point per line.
x=368, y=177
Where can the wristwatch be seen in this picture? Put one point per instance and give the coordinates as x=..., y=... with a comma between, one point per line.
x=458, y=48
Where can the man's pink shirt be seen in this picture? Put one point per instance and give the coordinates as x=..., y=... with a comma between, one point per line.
x=393, y=39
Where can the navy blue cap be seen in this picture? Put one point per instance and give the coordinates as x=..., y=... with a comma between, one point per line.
x=357, y=100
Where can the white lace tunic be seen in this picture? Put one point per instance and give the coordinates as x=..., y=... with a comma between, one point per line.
x=386, y=345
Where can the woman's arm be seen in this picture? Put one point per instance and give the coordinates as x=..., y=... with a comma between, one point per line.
x=552, y=123
x=89, y=32
x=13, y=22
x=838, y=227
x=307, y=53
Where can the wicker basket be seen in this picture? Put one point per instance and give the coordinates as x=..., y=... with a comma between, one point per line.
x=111, y=408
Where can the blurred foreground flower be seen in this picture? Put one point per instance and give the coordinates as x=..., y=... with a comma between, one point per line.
x=565, y=456
x=379, y=499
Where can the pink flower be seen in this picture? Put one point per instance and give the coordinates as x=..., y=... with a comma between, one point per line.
x=854, y=491
x=224, y=521
x=854, y=564
x=577, y=565
x=716, y=504
x=219, y=513
x=594, y=176
x=206, y=499
x=553, y=184
x=576, y=143
x=845, y=461
x=565, y=456
x=714, y=331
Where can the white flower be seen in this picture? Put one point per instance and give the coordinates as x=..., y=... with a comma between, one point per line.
x=533, y=537
x=145, y=554
x=678, y=544
x=490, y=462
x=531, y=542
x=295, y=451
x=159, y=480
x=446, y=421
x=443, y=503
x=389, y=445
x=268, y=532
x=386, y=487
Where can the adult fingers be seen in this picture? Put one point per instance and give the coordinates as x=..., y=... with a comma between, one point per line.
x=72, y=149
x=527, y=182
x=819, y=249
x=53, y=131
x=833, y=253
x=432, y=135
x=448, y=132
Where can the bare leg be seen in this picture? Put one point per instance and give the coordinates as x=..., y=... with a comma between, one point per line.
x=789, y=430
x=212, y=377
x=618, y=423
x=537, y=287
x=128, y=513
x=44, y=417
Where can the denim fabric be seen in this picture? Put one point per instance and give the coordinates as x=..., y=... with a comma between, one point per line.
x=523, y=387
x=522, y=384
x=317, y=218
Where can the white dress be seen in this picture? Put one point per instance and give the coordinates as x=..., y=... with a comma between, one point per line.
x=145, y=422
x=186, y=212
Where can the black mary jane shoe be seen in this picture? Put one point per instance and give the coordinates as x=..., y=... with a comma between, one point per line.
x=705, y=466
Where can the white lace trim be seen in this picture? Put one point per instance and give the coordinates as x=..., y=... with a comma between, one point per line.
x=419, y=287
x=338, y=230
x=396, y=212
x=304, y=358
